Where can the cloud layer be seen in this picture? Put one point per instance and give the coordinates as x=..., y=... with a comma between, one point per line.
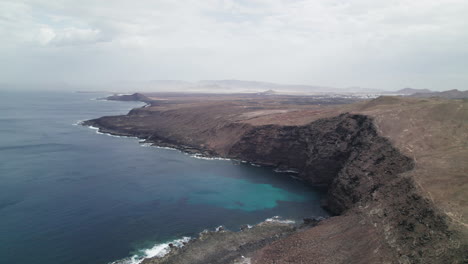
x=379, y=44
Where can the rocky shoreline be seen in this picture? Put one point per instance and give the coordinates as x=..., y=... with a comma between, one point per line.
x=377, y=206
x=224, y=246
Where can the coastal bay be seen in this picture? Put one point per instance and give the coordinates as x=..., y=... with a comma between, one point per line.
x=70, y=195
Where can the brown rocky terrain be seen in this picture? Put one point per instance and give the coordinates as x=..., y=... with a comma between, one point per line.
x=396, y=168
x=450, y=94
x=226, y=246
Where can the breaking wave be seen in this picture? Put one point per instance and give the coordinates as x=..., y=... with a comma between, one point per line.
x=277, y=219
x=158, y=251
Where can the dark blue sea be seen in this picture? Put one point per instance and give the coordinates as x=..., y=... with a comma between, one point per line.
x=70, y=195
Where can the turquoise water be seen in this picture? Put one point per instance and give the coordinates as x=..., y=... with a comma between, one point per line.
x=70, y=195
x=241, y=194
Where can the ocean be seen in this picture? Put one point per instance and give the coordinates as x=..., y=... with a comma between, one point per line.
x=71, y=195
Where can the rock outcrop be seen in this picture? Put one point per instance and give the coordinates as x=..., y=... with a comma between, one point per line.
x=138, y=97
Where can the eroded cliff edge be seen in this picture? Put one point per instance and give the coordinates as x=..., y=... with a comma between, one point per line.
x=382, y=215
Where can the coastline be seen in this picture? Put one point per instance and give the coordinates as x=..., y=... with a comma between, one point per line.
x=153, y=143
x=376, y=218
x=191, y=151
x=247, y=238
x=166, y=251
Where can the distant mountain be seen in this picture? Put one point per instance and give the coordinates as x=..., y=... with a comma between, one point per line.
x=254, y=86
x=237, y=83
x=450, y=94
x=232, y=86
x=409, y=91
x=148, y=86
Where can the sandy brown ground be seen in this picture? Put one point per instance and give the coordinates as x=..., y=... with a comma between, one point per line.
x=434, y=132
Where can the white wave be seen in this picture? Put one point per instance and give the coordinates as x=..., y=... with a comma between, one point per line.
x=100, y=99
x=78, y=123
x=161, y=147
x=220, y=228
x=198, y=156
x=108, y=134
x=286, y=171
x=94, y=128
x=158, y=251
x=143, y=143
x=277, y=219
x=111, y=135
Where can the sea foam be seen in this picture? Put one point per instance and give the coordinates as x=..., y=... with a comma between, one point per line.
x=198, y=156
x=158, y=251
x=277, y=219
x=108, y=134
x=286, y=171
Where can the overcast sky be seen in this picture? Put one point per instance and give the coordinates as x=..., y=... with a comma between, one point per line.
x=369, y=43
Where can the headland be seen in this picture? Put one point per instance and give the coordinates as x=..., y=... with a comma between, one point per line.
x=395, y=169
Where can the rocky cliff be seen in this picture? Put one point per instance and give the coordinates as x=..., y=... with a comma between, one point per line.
x=342, y=152
x=363, y=173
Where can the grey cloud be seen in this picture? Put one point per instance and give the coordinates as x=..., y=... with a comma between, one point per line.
x=381, y=44
x=70, y=36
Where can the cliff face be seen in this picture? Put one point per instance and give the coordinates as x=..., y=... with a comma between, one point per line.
x=343, y=152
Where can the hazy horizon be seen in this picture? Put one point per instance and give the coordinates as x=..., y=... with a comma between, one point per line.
x=383, y=46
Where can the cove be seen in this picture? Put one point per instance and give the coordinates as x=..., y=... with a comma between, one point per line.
x=70, y=195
